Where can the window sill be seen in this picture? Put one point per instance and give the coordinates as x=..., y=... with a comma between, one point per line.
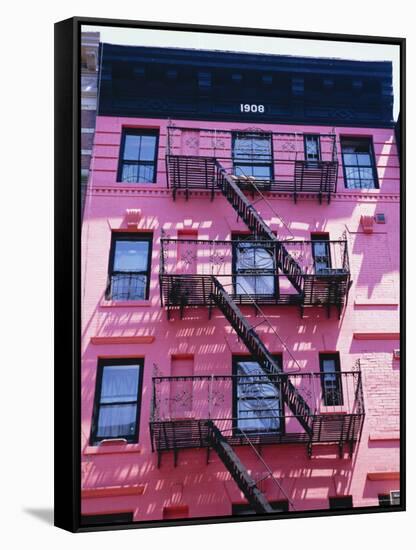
x=332, y=409
x=125, y=303
x=112, y=448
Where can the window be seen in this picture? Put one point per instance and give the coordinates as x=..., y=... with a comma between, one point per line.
x=257, y=402
x=254, y=267
x=340, y=503
x=387, y=500
x=331, y=379
x=138, y=156
x=321, y=252
x=117, y=400
x=104, y=519
x=252, y=155
x=245, y=510
x=129, y=267
x=312, y=149
x=359, y=165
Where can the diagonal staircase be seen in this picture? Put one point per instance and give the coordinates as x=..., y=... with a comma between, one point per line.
x=260, y=353
x=258, y=226
x=237, y=470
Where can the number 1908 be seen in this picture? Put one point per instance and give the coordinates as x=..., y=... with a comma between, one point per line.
x=251, y=108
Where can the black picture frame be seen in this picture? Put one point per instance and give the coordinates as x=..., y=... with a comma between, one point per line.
x=67, y=384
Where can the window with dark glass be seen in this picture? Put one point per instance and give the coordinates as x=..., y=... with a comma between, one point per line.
x=129, y=268
x=246, y=510
x=312, y=149
x=340, y=503
x=252, y=155
x=254, y=266
x=321, y=252
x=359, y=166
x=258, y=402
x=138, y=156
x=387, y=500
x=331, y=379
x=117, y=400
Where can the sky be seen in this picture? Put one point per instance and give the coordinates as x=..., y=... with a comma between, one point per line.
x=256, y=44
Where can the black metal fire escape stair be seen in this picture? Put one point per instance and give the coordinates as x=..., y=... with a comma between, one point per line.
x=258, y=226
x=260, y=353
x=237, y=470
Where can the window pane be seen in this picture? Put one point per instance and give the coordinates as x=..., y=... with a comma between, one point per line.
x=259, y=415
x=146, y=173
x=119, y=383
x=264, y=284
x=147, y=148
x=312, y=150
x=320, y=248
x=250, y=256
x=131, y=255
x=246, y=256
x=131, y=147
x=252, y=381
x=367, y=177
x=350, y=159
x=353, y=177
x=245, y=285
x=328, y=365
x=364, y=159
x=116, y=420
x=252, y=147
x=255, y=284
x=128, y=286
x=243, y=170
x=130, y=173
x=262, y=172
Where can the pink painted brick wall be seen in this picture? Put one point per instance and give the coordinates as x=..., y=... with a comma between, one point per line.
x=372, y=308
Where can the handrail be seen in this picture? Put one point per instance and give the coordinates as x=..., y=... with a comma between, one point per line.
x=248, y=241
x=216, y=377
x=251, y=180
x=259, y=310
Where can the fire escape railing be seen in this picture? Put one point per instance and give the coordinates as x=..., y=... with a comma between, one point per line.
x=292, y=169
x=182, y=405
x=187, y=265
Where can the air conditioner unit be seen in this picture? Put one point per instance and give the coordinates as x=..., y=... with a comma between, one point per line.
x=380, y=218
x=396, y=354
x=394, y=498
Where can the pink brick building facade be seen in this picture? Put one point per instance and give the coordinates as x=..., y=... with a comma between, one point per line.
x=157, y=230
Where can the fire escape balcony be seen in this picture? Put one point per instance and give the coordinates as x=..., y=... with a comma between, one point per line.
x=290, y=163
x=253, y=270
x=252, y=409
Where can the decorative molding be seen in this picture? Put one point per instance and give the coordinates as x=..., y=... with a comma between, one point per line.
x=384, y=436
x=132, y=217
x=100, y=189
x=381, y=476
x=376, y=335
x=375, y=303
x=112, y=449
x=97, y=340
x=127, y=303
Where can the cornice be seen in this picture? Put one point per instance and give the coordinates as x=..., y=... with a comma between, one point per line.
x=100, y=190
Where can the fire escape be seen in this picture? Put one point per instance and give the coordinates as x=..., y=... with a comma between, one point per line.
x=289, y=265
